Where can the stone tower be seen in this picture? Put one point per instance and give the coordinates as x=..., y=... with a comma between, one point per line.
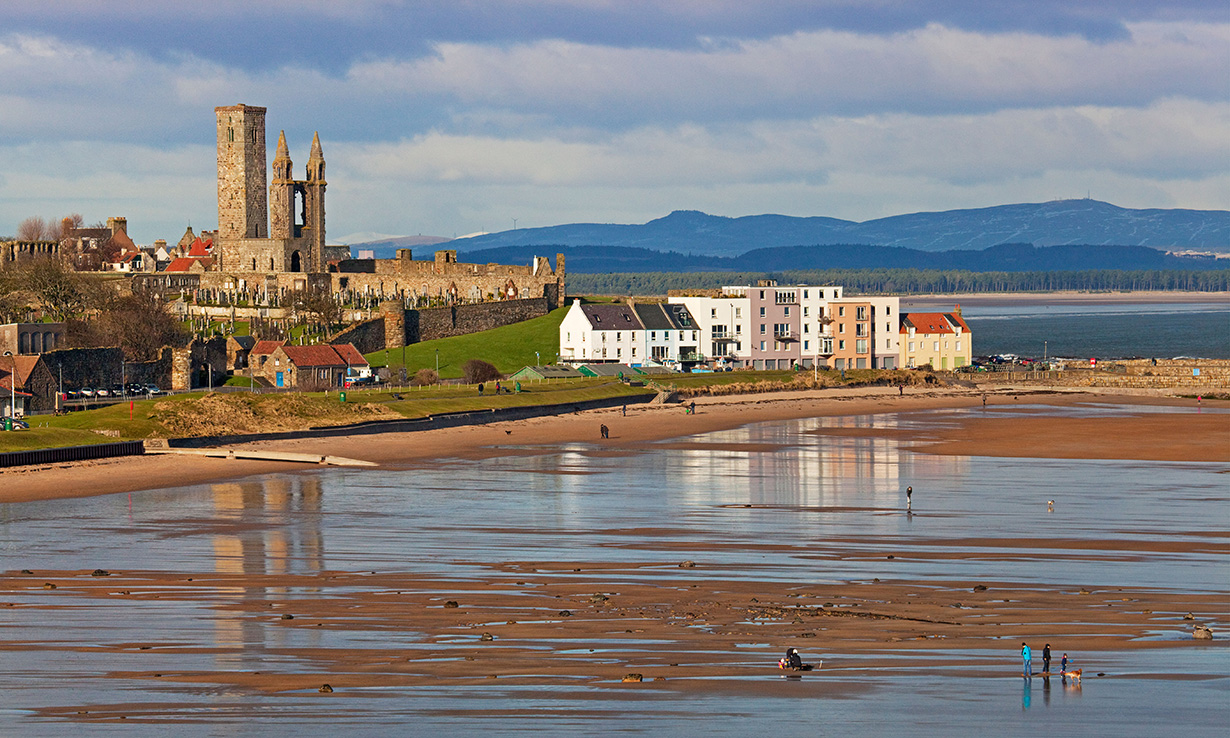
x=314, y=205
x=243, y=205
x=282, y=193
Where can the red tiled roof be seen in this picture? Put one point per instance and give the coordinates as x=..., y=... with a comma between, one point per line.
x=322, y=355
x=121, y=239
x=264, y=348
x=349, y=354
x=932, y=322
x=201, y=247
x=184, y=263
x=24, y=365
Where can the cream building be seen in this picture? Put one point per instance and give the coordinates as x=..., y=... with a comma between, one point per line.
x=941, y=340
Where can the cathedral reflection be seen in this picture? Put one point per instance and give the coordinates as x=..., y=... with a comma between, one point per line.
x=271, y=528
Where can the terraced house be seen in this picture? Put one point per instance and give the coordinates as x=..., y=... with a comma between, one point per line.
x=941, y=340
x=628, y=334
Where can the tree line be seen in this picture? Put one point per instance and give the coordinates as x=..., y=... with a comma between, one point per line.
x=912, y=281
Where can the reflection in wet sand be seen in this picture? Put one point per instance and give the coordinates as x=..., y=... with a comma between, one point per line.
x=285, y=542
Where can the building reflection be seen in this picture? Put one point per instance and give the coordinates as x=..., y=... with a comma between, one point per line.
x=270, y=527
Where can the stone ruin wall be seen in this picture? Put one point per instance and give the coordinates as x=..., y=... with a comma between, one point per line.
x=14, y=252
x=100, y=367
x=367, y=336
x=445, y=322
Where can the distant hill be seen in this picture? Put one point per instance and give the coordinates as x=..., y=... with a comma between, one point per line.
x=386, y=248
x=1061, y=222
x=1002, y=258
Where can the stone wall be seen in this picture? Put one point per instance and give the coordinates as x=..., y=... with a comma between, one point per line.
x=432, y=323
x=1135, y=374
x=101, y=367
x=367, y=336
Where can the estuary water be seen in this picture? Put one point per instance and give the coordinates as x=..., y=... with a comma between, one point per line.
x=1082, y=330
x=760, y=482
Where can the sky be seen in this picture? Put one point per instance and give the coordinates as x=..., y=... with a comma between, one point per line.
x=449, y=117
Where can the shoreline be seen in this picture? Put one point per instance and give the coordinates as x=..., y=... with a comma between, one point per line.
x=1001, y=299
x=1179, y=436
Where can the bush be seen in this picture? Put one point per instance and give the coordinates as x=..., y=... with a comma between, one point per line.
x=477, y=370
x=424, y=377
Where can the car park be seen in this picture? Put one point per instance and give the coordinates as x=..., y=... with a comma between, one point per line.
x=152, y=389
x=101, y=392
x=87, y=392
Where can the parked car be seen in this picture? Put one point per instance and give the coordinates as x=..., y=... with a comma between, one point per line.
x=72, y=394
x=152, y=389
x=101, y=392
x=87, y=392
x=14, y=424
x=134, y=388
x=117, y=390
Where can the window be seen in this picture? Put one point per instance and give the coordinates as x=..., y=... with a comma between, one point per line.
x=911, y=346
x=762, y=312
x=860, y=312
x=841, y=345
x=762, y=345
x=841, y=311
x=805, y=307
x=634, y=352
x=805, y=297
x=937, y=346
x=680, y=335
x=888, y=310
x=718, y=331
x=787, y=312
x=619, y=352
x=860, y=329
x=569, y=334
x=945, y=343
x=762, y=329
x=781, y=329
x=805, y=342
x=958, y=345
x=888, y=343
x=888, y=327
x=713, y=313
x=841, y=327
x=618, y=336
x=806, y=327
x=653, y=335
x=738, y=328
x=762, y=294
x=860, y=346
x=738, y=312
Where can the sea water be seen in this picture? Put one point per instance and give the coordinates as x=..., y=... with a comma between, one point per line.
x=458, y=518
x=1107, y=330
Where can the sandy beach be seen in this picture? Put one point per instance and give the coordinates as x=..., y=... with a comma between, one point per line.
x=672, y=620
x=1178, y=434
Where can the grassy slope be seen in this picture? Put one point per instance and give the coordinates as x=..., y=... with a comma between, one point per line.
x=509, y=348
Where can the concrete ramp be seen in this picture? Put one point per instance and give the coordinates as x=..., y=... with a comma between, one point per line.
x=231, y=453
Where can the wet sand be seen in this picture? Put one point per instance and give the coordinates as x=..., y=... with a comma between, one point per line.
x=1182, y=434
x=591, y=622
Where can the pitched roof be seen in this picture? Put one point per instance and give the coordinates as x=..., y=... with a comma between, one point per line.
x=611, y=317
x=653, y=316
x=25, y=364
x=201, y=247
x=608, y=370
x=185, y=264
x=932, y=322
x=320, y=355
x=349, y=354
x=264, y=348
x=245, y=342
x=186, y=239
x=121, y=239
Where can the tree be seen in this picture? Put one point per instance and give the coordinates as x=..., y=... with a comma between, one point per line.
x=318, y=305
x=35, y=228
x=477, y=370
x=61, y=293
x=139, y=323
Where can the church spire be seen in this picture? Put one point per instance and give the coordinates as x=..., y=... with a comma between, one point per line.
x=281, y=160
x=316, y=161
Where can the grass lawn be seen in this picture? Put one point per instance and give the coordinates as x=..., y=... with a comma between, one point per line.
x=509, y=348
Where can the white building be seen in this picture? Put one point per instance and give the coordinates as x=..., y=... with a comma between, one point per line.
x=628, y=334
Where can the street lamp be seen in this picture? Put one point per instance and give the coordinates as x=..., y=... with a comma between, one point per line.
x=437, y=362
x=537, y=361
x=12, y=386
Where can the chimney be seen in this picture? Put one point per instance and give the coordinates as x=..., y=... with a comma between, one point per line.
x=117, y=224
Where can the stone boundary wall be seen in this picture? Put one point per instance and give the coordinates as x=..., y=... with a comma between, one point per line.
x=1210, y=378
x=432, y=323
x=367, y=336
x=95, y=367
x=432, y=422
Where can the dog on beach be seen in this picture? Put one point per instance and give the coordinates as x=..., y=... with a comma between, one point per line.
x=1073, y=675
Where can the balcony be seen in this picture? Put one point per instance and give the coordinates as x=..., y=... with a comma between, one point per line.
x=724, y=337
x=786, y=337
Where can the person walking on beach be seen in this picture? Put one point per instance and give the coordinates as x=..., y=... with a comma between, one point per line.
x=625, y=410
x=1063, y=663
x=605, y=431
x=909, y=498
x=1025, y=656
x=1046, y=659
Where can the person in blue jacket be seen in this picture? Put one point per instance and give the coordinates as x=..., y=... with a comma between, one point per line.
x=1026, y=655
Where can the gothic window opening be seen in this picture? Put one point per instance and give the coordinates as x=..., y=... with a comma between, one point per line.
x=295, y=263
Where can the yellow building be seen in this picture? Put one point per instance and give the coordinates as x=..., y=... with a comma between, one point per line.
x=941, y=340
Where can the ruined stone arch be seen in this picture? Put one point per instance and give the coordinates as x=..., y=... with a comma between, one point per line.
x=510, y=290
x=296, y=261
x=452, y=290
